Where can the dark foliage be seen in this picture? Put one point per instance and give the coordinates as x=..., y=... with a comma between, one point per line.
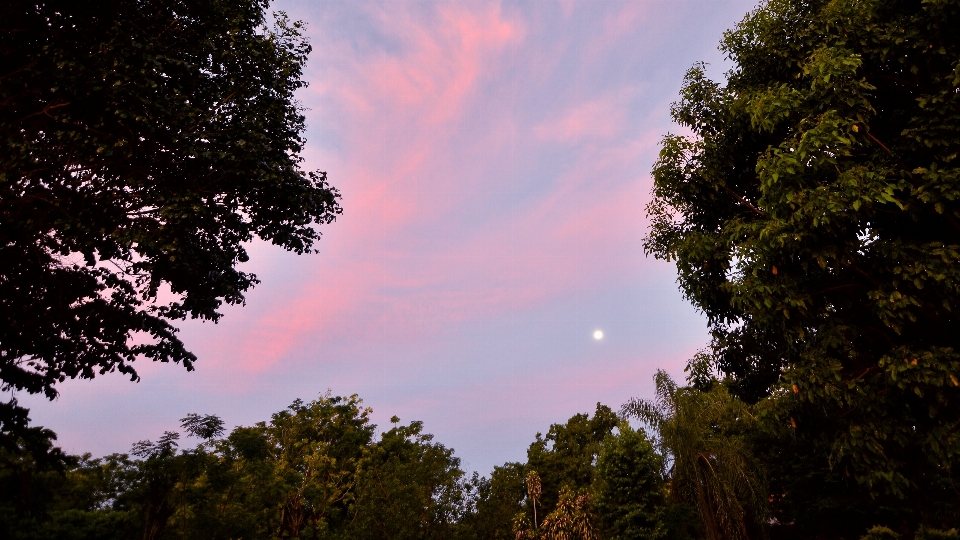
x=498, y=501
x=814, y=217
x=631, y=491
x=566, y=456
x=144, y=143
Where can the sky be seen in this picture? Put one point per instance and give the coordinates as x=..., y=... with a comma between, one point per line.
x=494, y=162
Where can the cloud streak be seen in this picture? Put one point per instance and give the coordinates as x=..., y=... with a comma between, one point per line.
x=494, y=162
x=414, y=126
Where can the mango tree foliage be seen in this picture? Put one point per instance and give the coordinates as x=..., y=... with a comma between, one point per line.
x=410, y=488
x=317, y=450
x=630, y=490
x=145, y=143
x=566, y=456
x=810, y=498
x=812, y=211
x=498, y=500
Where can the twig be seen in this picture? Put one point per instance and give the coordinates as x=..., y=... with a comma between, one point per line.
x=744, y=201
x=876, y=140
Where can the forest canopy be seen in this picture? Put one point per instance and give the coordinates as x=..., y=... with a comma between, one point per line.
x=322, y=469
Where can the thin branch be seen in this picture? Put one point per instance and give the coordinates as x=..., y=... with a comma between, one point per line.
x=869, y=370
x=853, y=266
x=744, y=201
x=46, y=110
x=876, y=140
x=18, y=70
x=900, y=163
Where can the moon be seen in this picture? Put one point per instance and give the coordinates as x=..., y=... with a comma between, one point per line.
x=598, y=335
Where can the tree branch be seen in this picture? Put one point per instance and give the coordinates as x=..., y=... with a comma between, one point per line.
x=876, y=140
x=46, y=110
x=743, y=201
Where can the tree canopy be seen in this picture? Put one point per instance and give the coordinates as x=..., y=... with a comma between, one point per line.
x=712, y=467
x=630, y=487
x=314, y=470
x=145, y=142
x=566, y=456
x=813, y=214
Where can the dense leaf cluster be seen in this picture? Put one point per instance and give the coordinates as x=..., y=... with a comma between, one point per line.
x=319, y=470
x=315, y=470
x=715, y=468
x=814, y=215
x=598, y=478
x=144, y=143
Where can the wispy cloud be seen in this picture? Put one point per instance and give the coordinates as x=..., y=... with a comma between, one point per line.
x=494, y=162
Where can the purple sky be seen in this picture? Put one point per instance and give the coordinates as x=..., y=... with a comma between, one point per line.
x=494, y=161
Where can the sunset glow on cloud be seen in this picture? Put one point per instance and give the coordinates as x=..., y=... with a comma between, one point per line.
x=494, y=162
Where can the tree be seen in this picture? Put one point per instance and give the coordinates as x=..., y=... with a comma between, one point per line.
x=534, y=490
x=566, y=456
x=312, y=471
x=144, y=143
x=411, y=488
x=573, y=518
x=630, y=487
x=292, y=477
x=317, y=450
x=84, y=505
x=703, y=432
x=31, y=472
x=808, y=498
x=498, y=500
x=814, y=217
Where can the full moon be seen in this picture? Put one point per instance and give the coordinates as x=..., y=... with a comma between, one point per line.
x=598, y=334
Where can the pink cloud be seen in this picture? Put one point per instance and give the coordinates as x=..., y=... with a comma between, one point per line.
x=395, y=111
x=493, y=159
x=440, y=64
x=527, y=260
x=601, y=118
x=622, y=25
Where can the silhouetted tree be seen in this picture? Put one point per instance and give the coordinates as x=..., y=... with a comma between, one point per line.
x=144, y=143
